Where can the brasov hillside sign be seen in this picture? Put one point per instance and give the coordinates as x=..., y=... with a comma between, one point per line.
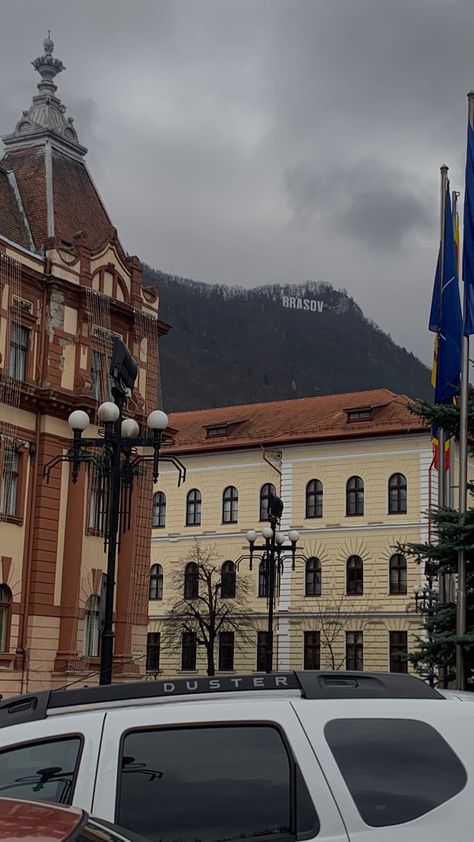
x=294, y=303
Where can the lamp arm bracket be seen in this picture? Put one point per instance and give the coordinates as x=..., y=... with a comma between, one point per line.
x=178, y=465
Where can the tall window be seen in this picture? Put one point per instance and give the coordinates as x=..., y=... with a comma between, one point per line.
x=228, y=580
x=263, y=578
x=398, y=574
x=193, y=508
x=158, y=517
x=397, y=494
x=268, y=490
x=191, y=580
x=90, y=646
x=262, y=643
x=312, y=578
x=230, y=504
x=398, y=641
x=5, y=611
x=156, y=582
x=312, y=650
x=355, y=496
x=355, y=576
x=355, y=650
x=188, y=651
x=153, y=652
x=226, y=651
x=97, y=502
x=9, y=487
x=18, y=351
x=101, y=383
x=314, y=498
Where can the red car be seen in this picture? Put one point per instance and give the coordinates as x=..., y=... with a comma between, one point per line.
x=38, y=821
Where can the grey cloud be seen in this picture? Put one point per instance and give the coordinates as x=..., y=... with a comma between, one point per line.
x=261, y=141
x=369, y=201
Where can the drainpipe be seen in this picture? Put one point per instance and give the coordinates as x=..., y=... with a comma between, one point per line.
x=272, y=465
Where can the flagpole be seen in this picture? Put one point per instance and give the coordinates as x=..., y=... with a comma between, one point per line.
x=463, y=437
x=441, y=433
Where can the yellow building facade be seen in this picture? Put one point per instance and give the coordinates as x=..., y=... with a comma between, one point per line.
x=355, y=476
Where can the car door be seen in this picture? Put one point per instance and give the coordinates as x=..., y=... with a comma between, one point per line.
x=214, y=771
x=399, y=769
x=54, y=759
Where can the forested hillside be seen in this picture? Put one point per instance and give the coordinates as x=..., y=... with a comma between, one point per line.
x=234, y=345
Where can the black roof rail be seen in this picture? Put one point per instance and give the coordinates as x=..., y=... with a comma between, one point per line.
x=310, y=684
x=363, y=685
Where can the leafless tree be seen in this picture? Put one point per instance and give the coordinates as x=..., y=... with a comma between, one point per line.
x=206, y=612
x=335, y=614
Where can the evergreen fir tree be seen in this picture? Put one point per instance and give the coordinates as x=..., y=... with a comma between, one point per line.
x=450, y=532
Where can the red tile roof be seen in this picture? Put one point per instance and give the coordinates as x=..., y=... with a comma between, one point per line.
x=28, y=166
x=77, y=206
x=303, y=419
x=10, y=218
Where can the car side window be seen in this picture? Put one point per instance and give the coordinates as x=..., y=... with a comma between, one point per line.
x=212, y=783
x=41, y=771
x=395, y=769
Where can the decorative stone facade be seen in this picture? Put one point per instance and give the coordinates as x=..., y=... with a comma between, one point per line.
x=66, y=288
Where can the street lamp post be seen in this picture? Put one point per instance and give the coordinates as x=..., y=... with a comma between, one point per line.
x=118, y=462
x=426, y=599
x=271, y=555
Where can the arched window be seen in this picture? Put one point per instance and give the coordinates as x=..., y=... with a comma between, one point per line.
x=156, y=582
x=191, y=580
x=312, y=579
x=314, y=498
x=5, y=613
x=159, y=510
x=397, y=494
x=228, y=580
x=193, y=508
x=90, y=644
x=355, y=576
x=230, y=504
x=263, y=578
x=355, y=496
x=398, y=574
x=266, y=491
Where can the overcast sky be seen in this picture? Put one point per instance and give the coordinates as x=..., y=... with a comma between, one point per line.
x=265, y=141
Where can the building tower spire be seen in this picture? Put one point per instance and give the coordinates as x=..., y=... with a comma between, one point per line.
x=46, y=117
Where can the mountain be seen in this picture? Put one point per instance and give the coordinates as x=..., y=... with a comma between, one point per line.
x=231, y=345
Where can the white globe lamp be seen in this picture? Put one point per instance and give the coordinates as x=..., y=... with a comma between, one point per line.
x=78, y=420
x=157, y=420
x=130, y=428
x=108, y=412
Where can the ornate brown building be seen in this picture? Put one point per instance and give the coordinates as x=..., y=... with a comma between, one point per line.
x=66, y=289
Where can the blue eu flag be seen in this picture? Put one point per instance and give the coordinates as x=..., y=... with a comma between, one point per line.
x=468, y=241
x=445, y=316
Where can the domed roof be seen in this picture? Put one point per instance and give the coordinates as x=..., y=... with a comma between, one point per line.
x=46, y=114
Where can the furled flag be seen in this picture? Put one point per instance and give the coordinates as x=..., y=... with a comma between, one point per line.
x=468, y=240
x=445, y=315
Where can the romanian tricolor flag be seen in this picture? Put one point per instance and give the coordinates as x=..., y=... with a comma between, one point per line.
x=447, y=450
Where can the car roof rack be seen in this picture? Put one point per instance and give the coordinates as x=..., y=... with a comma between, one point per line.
x=310, y=684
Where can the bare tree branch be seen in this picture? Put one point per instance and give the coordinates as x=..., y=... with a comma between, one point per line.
x=209, y=613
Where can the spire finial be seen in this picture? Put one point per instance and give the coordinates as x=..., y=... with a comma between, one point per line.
x=47, y=66
x=48, y=44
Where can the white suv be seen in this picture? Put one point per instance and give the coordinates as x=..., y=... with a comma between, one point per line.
x=371, y=757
